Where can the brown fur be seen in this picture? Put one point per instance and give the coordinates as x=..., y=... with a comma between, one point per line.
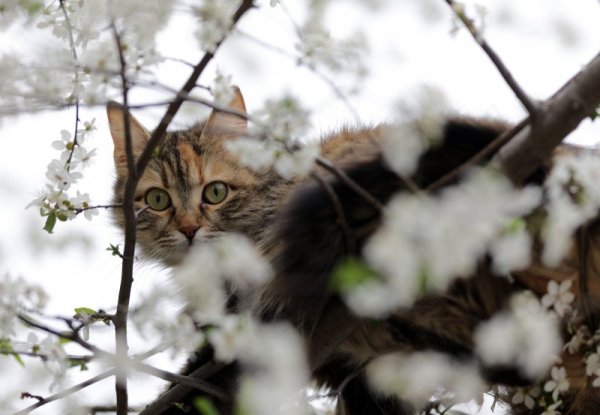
x=295, y=225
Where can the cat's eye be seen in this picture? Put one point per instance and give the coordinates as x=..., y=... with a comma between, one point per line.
x=158, y=199
x=214, y=192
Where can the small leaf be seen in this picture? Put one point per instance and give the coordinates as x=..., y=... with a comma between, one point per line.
x=114, y=250
x=50, y=222
x=205, y=406
x=19, y=360
x=62, y=340
x=351, y=273
x=6, y=348
x=85, y=310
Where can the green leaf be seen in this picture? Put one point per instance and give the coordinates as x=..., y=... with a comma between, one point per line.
x=114, y=250
x=50, y=222
x=6, y=348
x=351, y=273
x=179, y=406
x=62, y=340
x=85, y=310
x=205, y=406
x=19, y=360
x=595, y=114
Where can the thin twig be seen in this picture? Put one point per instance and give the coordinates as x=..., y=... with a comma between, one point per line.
x=328, y=165
x=195, y=383
x=67, y=392
x=120, y=319
x=134, y=172
x=478, y=158
x=63, y=335
x=584, y=292
x=94, y=410
x=562, y=113
x=83, y=209
x=76, y=92
x=339, y=211
x=44, y=357
x=531, y=107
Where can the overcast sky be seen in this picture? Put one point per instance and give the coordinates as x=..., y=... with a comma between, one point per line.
x=543, y=42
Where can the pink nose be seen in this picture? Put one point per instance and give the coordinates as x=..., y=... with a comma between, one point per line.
x=189, y=231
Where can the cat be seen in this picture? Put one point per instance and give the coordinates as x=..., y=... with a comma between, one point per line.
x=194, y=190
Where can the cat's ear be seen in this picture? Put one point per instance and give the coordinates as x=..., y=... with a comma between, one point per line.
x=226, y=125
x=139, y=135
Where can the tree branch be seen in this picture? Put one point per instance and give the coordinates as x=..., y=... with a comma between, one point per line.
x=531, y=107
x=67, y=392
x=560, y=115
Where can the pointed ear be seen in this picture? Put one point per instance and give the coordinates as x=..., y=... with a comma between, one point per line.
x=227, y=125
x=139, y=135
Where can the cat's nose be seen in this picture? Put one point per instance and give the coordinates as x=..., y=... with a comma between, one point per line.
x=189, y=231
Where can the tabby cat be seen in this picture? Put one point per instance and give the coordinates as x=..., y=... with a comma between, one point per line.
x=194, y=189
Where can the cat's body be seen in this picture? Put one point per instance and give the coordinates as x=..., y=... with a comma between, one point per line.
x=295, y=224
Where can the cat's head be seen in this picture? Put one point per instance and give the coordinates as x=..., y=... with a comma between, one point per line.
x=193, y=188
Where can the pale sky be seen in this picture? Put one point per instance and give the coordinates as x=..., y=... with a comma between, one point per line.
x=543, y=42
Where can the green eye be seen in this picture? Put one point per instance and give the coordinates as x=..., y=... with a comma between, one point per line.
x=214, y=192
x=158, y=199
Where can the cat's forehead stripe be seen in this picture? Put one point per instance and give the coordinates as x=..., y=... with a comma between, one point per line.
x=191, y=162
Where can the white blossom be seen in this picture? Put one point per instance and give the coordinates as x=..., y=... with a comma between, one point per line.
x=215, y=20
x=513, y=337
x=526, y=397
x=416, y=377
x=511, y=251
x=180, y=335
x=277, y=372
x=297, y=163
x=55, y=359
x=282, y=119
x=592, y=366
x=421, y=127
x=558, y=383
x=222, y=89
x=317, y=48
x=425, y=242
x=230, y=257
x=577, y=340
x=18, y=296
x=559, y=297
x=231, y=336
x=252, y=153
x=573, y=198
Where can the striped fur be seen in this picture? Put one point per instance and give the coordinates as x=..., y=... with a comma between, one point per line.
x=297, y=228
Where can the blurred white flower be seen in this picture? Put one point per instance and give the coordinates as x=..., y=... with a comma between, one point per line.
x=558, y=383
x=592, y=366
x=573, y=198
x=425, y=242
x=231, y=336
x=513, y=337
x=418, y=376
x=526, y=397
x=298, y=162
x=18, y=296
x=222, y=89
x=559, y=297
x=215, y=20
x=252, y=153
x=420, y=127
x=277, y=372
x=229, y=258
x=511, y=251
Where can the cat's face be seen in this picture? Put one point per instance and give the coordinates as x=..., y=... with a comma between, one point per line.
x=193, y=189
